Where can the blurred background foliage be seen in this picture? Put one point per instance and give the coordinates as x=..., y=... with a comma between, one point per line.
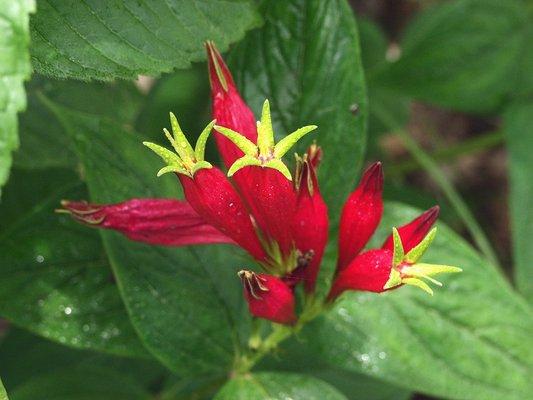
x=448, y=109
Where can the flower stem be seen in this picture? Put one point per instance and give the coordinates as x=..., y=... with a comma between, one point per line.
x=447, y=188
x=245, y=363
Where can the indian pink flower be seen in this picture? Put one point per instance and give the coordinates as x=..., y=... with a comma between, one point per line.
x=378, y=270
x=268, y=297
x=279, y=218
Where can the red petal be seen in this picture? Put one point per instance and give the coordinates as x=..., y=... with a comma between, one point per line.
x=310, y=226
x=416, y=230
x=229, y=109
x=269, y=297
x=369, y=271
x=361, y=215
x=213, y=197
x=157, y=221
x=271, y=199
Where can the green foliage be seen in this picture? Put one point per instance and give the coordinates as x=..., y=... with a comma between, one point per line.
x=518, y=123
x=289, y=73
x=19, y=350
x=55, y=279
x=462, y=54
x=49, y=146
x=448, y=345
x=81, y=383
x=100, y=298
x=277, y=386
x=14, y=69
x=3, y=394
x=295, y=356
x=121, y=39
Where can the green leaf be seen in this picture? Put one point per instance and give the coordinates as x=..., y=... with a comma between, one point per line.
x=306, y=62
x=45, y=145
x=277, y=386
x=294, y=356
x=181, y=301
x=518, y=123
x=21, y=349
x=81, y=383
x=462, y=54
x=104, y=40
x=471, y=340
x=524, y=81
x=14, y=70
x=3, y=394
x=54, y=277
x=186, y=93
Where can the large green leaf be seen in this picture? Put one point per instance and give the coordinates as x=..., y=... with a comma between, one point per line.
x=14, y=69
x=186, y=93
x=462, y=54
x=54, y=276
x=518, y=126
x=81, y=383
x=20, y=349
x=43, y=141
x=106, y=39
x=295, y=356
x=181, y=301
x=472, y=340
x=278, y=386
x=306, y=61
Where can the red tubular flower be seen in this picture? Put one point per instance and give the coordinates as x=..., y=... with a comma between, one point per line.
x=268, y=297
x=361, y=215
x=229, y=109
x=164, y=222
x=310, y=224
x=207, y=189
x=379, y=270
x=413, y=232
x=265, y=183
x=216, y=200
x=272, y=201
x=369, y=271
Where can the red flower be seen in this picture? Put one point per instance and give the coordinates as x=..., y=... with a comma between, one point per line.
x=361, y=215
x=165, y=222
x=310, y=222
x=229, y=109
x=413, y=232
x=281, y=223
x=268, y=297
x=379, y=270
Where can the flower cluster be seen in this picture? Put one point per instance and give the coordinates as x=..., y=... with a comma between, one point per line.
x=279, y=218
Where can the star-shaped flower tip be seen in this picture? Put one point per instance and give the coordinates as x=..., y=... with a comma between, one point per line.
x=185, y=160
x=266, y=153
x=407, y=270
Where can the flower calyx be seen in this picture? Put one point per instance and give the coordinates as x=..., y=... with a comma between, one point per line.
x=185, y=160
x=266, y=153
x=407, y=270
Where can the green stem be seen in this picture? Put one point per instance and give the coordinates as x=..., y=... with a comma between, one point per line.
x=279, y=333
x=447, y=188
x=469, y=146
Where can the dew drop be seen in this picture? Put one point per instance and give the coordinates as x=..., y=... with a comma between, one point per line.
x=68, y=310
x=39, y=259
